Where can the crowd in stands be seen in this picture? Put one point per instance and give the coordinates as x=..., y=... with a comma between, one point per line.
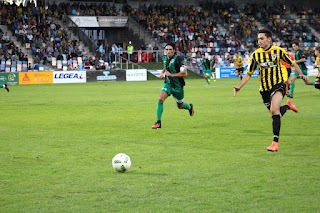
x=197, y=29
x=189, y=27
x=10, y=54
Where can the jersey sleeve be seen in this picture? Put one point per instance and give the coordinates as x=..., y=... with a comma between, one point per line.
x=301, y=54
x=179, y=61
x=163, y=61
x=286, y=58
x=252, y=66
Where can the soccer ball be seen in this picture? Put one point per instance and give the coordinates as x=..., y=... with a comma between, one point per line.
x=121, y=162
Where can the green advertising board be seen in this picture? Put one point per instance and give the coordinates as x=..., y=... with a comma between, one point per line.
x=10, y=78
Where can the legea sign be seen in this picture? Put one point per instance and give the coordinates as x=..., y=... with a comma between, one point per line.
x=136, y=75
x=69, y=77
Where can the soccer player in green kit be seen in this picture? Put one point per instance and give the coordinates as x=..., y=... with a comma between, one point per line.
x=5, y=86
x=213, y=67
x=300, y=59
x=174, y=71
x=205, y=63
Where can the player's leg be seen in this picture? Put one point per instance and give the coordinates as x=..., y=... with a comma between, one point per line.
x=162, y=97
x=292, y=85
x=288, y=83
x=178, y=95
x=241, y=73
x=214, y=75
x=5, y=86
x=206, y=76
x=289, y=74
x=276, y=100
x=307, y=82
x=317, y=83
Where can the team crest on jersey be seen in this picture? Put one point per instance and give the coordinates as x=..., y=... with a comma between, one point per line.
x=274, y=56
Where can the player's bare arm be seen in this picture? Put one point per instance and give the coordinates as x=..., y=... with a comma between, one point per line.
x=183, y=73
x=245, y=79
x=162, y=72
x=301, y=60
x=298, y=70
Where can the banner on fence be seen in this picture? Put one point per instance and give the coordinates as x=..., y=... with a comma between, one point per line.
x=35, y=77
x=69, y=77
x=9, y=78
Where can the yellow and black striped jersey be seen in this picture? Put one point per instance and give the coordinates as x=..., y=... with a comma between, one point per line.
x=271, y=69
x=238, y=60
x=318, y=63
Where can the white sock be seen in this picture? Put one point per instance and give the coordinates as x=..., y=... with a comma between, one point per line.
x=4, y=86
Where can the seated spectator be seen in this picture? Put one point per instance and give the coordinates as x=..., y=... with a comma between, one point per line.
x=36, y=67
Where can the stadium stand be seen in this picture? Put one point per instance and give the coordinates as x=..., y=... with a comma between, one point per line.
x=212, y=28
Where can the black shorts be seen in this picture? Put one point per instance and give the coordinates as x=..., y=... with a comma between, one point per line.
x=317, y=79
x=289, y=72
x=267, y=95
x=240, y=70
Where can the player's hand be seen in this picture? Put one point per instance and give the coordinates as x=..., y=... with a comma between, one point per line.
x=168, y=73
x=161, y=75
x=304, y=77
x=235, y=90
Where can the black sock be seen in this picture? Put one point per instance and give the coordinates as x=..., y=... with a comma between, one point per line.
x=284, y=109
x=276, y=123
x=317, y=86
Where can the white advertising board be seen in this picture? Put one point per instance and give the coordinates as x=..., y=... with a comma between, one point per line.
x=85, y=21
x=136, y=75
x=69, y=77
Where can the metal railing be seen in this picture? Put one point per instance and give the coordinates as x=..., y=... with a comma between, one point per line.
x=81, y=35
x=140, y=56
x=137, y=28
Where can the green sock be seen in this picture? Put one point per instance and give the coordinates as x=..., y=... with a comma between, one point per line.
x=207, y=80
x=291, y=88
x=159, y=111
x=186, y=106
x=312, y=83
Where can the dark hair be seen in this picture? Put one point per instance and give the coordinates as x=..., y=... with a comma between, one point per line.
x=170, y=44
x=268, y=33
x=318, y=49
x=296, y=43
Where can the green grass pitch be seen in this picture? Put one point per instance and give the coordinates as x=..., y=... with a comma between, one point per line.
x=57, y=142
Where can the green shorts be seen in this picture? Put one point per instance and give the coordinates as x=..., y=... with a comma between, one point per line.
x=207, y=73
x=177, y=94
x=304, y=72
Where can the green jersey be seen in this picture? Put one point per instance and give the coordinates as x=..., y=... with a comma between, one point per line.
x=206, y=64
x=213, y=63
x=173, y=66
x=299, y=55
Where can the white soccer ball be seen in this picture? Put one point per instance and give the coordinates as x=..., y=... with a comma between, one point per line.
x=121, y=162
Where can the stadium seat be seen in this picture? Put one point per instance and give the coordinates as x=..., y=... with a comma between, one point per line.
x=54, y=61
x=24, y=66
x=59, y=64
x=41, y=67
x=19, y=66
